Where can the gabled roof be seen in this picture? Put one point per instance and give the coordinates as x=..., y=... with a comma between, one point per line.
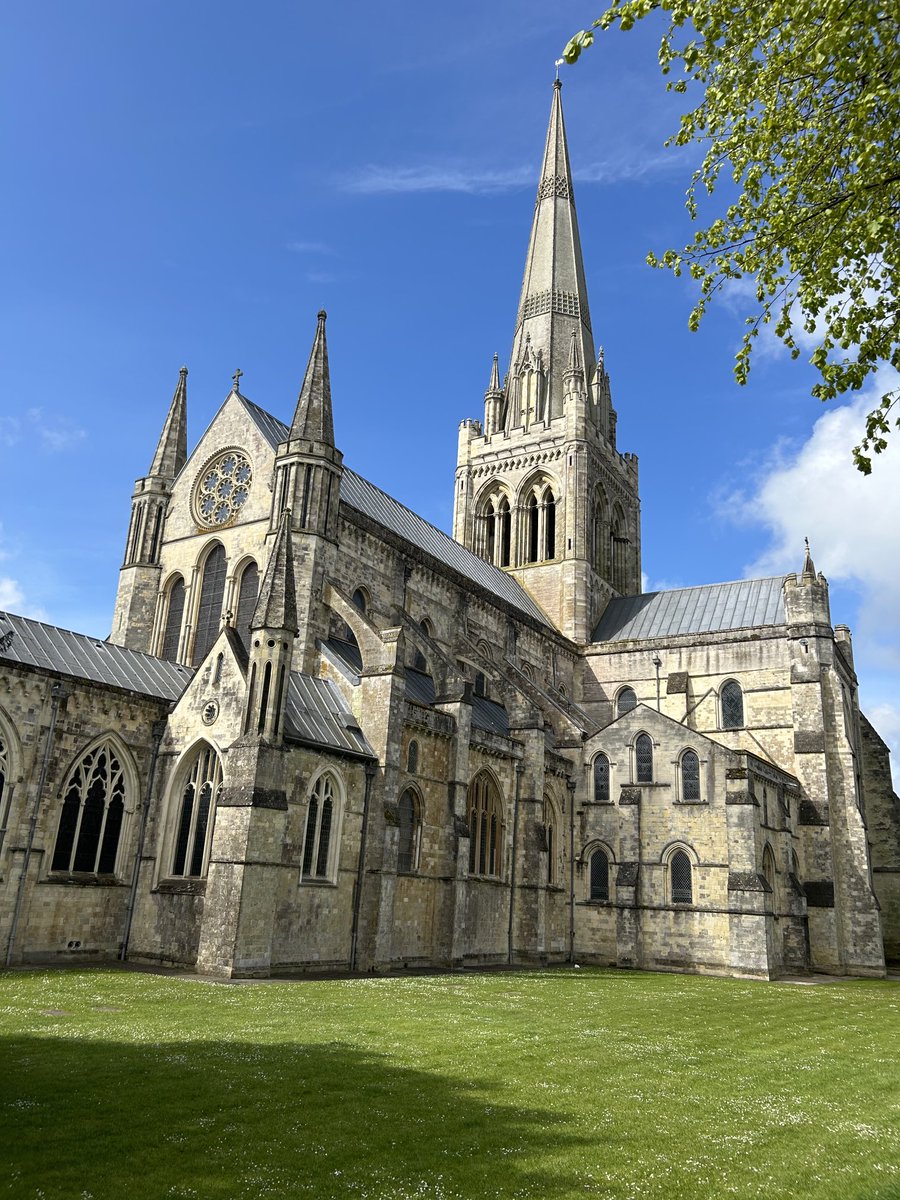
x=378, y=506
x=35, y=644
x=744, y=604
x=317, y=713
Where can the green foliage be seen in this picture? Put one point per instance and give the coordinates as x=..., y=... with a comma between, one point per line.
x=799, y=102
x=546, y=1085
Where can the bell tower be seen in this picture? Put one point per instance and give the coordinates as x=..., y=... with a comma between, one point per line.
x=541, y=488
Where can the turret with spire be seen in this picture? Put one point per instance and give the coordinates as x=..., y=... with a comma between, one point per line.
x=139, y=575
x=546, y=451
x=307, y=486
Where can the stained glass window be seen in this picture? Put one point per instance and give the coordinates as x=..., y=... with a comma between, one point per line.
x=643, y=753
x=601, y=779
x=625, y=701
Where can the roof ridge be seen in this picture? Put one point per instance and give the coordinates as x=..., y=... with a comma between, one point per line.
x=689, y=587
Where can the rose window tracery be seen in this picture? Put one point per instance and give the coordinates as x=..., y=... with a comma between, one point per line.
x=222, y=489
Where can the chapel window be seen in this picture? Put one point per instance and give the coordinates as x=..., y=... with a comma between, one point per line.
x=92, y=813
x=196, y=815
x=680, y=878
x=643, y=758
x=320, y=837
x=209, y=614
x=599, y=875
x=601, y=779
x=690, y=776
x=410, y=825
x=625, y=701
x=486, y=830
x=732, y=699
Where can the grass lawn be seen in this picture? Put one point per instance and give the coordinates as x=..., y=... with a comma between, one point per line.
x=529, y=1084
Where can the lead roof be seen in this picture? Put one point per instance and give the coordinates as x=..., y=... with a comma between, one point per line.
x=710, y=608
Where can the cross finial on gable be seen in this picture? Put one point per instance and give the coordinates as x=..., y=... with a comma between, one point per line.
x=237, y=379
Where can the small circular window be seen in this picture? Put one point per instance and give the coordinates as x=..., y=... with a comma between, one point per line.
x=222, y=489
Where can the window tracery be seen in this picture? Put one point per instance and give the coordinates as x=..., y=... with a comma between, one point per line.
x=486, y=830
x=322, y=830
x=222, y=489
x=93, y=810
x=196, y=814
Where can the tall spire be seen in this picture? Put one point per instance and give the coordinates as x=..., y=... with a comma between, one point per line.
x=312, y=419
x=808, y=565
x=553, y=303
x=276, y=607
x=171, y=453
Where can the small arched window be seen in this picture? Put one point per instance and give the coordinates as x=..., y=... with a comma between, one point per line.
x=768, y=867
x=174, y=615
x=643, y=758
x=599, y=875
x=625, y=701
x=358, y=600
x=601, y=779
x=412, y=757
x=732, y=699
x=320, y=836
x=690, y=776
x=248, y=592
x=479, y=687
x=209, y=614
x=197, y=813
x=681, y=880
x=486, y=831
x=410, y=827
x=92, y=813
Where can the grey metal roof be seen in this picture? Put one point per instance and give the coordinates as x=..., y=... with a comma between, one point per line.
x=317, y=712
x=37, y=645
x=419, y=687
x=347, y=652
x=489, y=715
x=372, y=502
x=744, y=604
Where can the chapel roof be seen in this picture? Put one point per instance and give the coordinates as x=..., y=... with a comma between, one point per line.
x=316, y=712
x=709, y=608
x=378, y=506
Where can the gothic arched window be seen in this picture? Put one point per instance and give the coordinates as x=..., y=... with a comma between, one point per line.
x=690, y=776
x=504, y=533
x=643, y=758
x=625, y=701
x=601, y=779
x=359, y=601
x=197, y=812
x=618, y=551
x=209, y=613
x=174, y=615
x=532, y=525
x=412, y=757
x=92, y=814
x=732, y=700
x=4, y=766
x=410, y=825
x=320, y=839
x=550, y=828
x=248, y=593
x=549, y=503
x=680, y=878
x=485, y=819
x=599, y=875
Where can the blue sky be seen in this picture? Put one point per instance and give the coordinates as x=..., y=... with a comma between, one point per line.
x=190, y=184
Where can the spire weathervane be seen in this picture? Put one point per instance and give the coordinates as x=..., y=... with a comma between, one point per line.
x=237, y=380
x=559, y=62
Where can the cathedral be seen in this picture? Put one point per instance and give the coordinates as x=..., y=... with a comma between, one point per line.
x=325, y=736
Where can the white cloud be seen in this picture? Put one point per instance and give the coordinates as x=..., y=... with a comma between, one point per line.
x=12, y=599
x=852, y=520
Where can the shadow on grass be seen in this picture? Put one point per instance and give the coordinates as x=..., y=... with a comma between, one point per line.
x=231, y=1119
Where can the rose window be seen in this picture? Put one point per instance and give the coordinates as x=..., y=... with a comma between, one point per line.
x=223, y=488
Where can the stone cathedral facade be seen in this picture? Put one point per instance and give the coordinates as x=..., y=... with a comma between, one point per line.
x=325, y=736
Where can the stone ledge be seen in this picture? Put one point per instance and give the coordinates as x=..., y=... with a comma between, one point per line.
x=181, y=887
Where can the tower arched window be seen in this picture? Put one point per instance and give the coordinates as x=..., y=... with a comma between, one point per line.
x=486, y=830
x=174, y=617
x=690, y=776
x=681, y=878
x=503, y=533
x=532, y=525
x=643, y=758
x=197, y=813
x=549, y=525
x=410, y=826
x=599, y=875
x=248, y=594
x=412, y=757
x=625, y=701
x=601, y=779
x=320, y=838
x=93, y=811
x=209, y=613
x=618, y=552
x=732, y=701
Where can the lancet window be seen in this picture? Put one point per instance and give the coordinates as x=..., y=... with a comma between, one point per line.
x=174, y=616
x=248, y=593
x=485, y=819
x=209, y=613
x=494, y=532
x=599, y=875
x=732, y=700
x=539, y=511
x=410, y=825
x=93, y=810
x=196, y=813
x=320, y=840
x=681, y=878
x=618, y=552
